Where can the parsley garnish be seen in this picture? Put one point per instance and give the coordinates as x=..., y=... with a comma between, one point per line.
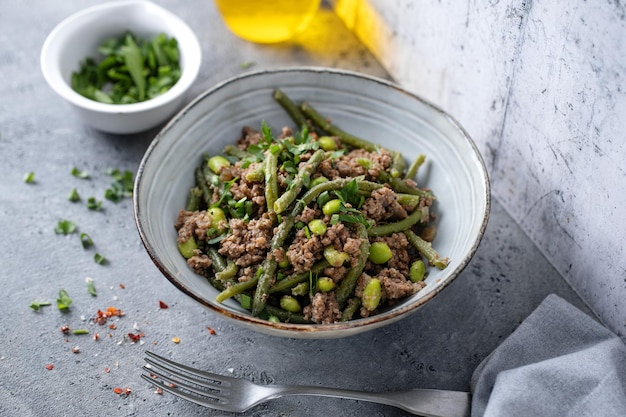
x=65, y=227
x=36, y=305
x=85, y=240
x=64, y=301
x=121, y=187
x=99, y=259
x=351, y=201
x=91, y=288
x=93, y=204
x=29, y=178
x=80, y=173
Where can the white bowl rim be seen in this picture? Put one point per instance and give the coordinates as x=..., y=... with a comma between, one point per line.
x=302, y=330
x=60, y=86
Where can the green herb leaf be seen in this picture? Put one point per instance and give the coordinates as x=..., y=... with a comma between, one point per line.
x=65, y=227
x=246, y=301
x=36, y=305
x=64, y=301
x=93, y=204
x=99, y=259
x=29, y=178
x=134, y=62
x=79, y=173
x=86, y=240
x=91, y=288
x=121, y=187
x=80, y=331
x=73, y=196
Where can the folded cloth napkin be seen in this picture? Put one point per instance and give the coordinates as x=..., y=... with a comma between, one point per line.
x=558, y=362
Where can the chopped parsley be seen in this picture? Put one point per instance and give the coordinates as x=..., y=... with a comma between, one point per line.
x=36, y=305
x=91, y=288
x=73, y=196
x=99, y=259
x=65, y=227
x=64, y=301
x=80, y=173
x=29, y=178
x=121, y=187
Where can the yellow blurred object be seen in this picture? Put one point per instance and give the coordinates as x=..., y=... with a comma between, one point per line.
x=268, y=21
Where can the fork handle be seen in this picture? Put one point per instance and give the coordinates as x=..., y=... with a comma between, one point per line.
x=423, y=402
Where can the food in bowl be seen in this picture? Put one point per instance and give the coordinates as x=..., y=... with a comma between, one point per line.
x=312, y=225
x=132, y=69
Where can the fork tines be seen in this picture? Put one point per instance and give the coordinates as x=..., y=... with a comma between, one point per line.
x=191, y=384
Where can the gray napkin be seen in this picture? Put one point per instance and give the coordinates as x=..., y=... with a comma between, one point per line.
x=558, y=362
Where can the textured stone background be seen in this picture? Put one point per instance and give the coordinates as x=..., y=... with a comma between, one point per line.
x=541, y=87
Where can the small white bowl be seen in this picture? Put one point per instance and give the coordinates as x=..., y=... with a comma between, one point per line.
x=369, y=107
x=80, y=35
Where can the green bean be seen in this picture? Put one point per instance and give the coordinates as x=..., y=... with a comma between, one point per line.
x=372, y=293
x=350, y=310
x=194, y=199
x=295, y=279
x=237, y=288
x=255, y=173
x=412, y=171
x=379, y=253
x=409, y=200
x=290, y=107
x=267, y=277
x=232, y=150
x=301, y=289
x=291, y=194
x=397, y=165
x=400, y=186
x=219, y=264
x=229, y=272
x=346, y=286
x=271, y=182
x=399, y=226
x=285, y=316
x=426, y=249
x=328, y=127
x=336, y=184
x=201, y=181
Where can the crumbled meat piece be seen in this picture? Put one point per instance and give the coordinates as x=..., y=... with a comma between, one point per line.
x=200, y=263
x=323, y=309
x=192, y=224
x=247, y=242
x=336, y=273
x=304, y=252
x=395, y=285
x=383, y=205
x=357, y=162
x=249, y=136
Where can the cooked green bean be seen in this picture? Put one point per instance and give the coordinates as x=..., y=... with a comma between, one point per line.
x=201, y=182
x=353, y=305
x=219, y=264
x=397, y=166
x=284, y=201
x=271, y=183
x=346, y=286
x=411, y=172
x=399, y=226
x=232, y=150
x=237, y=288
x=426, y=249
x=290, y=107
x=295, y=279
x=286, y=316
x=194, y=199
x=229, y=272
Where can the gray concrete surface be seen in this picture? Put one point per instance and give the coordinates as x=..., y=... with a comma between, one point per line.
x=439, y=346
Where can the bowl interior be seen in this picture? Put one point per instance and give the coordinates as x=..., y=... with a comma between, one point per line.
x=373, y=109
x=80, y=35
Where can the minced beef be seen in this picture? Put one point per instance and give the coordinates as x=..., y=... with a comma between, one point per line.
x=304, y=252
x=200, y=263
x=383, y=205
x=357, y=162
x=248, y=241
x=323, y=309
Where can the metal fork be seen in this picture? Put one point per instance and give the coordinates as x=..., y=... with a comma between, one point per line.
x=238, y=395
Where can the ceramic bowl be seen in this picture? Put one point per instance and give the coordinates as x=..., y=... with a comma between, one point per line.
x=78, y=37
x=364, y=106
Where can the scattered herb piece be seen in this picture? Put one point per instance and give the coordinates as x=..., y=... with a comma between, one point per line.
x=93, y=204
x=80, y=173
x=64, y=301
x=80, y=331
x=91, y=288
x=73, y=196
x=29, y=178
x=121, y=187
x=176, y=340
x=86, y=240
x=65, y=227
x=99, y=259
x=36, y=305
x=246, y=65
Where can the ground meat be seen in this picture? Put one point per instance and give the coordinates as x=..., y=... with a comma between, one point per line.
x=395, y=285
x=336, y=273
x=249, y=136
x=383, y=205
x=249, y=241
x=304, y=252
x=356, y=163
x=323, y=309
x=200, y=263
x=192, y=224
x=308, y=214
x=336, y=235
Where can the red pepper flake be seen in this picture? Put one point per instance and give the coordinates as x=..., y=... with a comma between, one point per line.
x=75, y=349
x=102, y=316
x=159, y=390
x=117, y=390
x=172, y=385
x=107, y=370
x=113, y=326
x=122, y=286
x=96, y=337
x=65, y=329
x=127, y=391
x=210, y=329
x=134, y=337
x=162, y=304
x=50, y=367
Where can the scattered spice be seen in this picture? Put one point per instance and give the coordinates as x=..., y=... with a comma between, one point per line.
x=107, y=370
x=96, y=337
x=49, y=367
x=75, y=349
x=210, y=329
x=159, y=391
x=135, y=337
x=65, y=329
x=176, y=340
x=102, y=316
x=162, y=304
x=122, y=286
x=117, y=390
